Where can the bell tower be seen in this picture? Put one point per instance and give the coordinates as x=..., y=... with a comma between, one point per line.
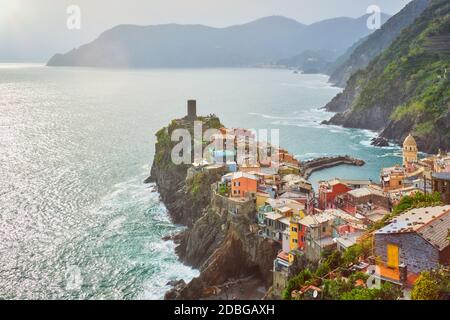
x=410, y=150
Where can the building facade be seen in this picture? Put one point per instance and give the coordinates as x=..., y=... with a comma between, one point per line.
x=410, y=150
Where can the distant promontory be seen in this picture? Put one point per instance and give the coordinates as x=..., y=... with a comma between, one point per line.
x=261, y=42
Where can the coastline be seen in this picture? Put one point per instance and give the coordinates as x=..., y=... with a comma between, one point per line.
x=213, y=236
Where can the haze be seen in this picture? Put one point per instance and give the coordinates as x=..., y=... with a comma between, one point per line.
x=33, y=31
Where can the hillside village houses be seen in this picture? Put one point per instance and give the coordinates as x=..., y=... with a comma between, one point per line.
x=288, y=212
x=415, y=241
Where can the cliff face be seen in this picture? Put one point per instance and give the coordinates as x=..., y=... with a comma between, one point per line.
x=218, y=242
x=405, y=89
x=184, y=197
x=359, y=57
x=225, y=247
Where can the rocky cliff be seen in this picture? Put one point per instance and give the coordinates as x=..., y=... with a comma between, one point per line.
x=359, y=56
x=405, y=89
x=220, y=239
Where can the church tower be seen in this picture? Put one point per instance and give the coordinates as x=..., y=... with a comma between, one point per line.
x=409, y=150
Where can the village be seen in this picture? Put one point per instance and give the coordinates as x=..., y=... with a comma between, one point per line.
x=370, y=233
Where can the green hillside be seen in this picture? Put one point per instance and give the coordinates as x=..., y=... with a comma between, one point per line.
x=407, y=88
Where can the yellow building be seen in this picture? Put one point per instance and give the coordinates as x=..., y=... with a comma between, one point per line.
x=409, y=150
x=261, y=199
x=297, y=234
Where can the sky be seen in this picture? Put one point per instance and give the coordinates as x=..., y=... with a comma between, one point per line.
x=33, y=30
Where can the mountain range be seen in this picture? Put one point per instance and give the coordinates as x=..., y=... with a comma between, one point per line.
x=261, y=42
x=406, y=88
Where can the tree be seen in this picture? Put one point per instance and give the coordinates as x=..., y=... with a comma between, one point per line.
x=360, y=294
x=352, y=254
x=333, y=289
x=432, y=285
x=295, y=283
x=387, y=291
x=425, y=288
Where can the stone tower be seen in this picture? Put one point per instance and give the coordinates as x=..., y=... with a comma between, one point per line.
x=409, y=150
x=192, y=109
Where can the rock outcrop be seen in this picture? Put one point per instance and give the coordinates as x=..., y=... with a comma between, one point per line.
x=221, y=238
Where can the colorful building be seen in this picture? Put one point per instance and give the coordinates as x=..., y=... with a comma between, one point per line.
x=353, y=200
x=243, y=185
x=329, y=190
x=317, y=235
x=297, y=233
x=410, y=150
x=415, y=241
x=392, y=178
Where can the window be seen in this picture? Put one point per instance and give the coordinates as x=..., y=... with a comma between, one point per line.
x=324, y=229
x=392, y=255
x=294, y=229
x=295, y=240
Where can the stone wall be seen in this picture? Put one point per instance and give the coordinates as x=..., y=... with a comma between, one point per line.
x=416, y=253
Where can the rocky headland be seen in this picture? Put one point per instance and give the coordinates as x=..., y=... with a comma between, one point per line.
x=234, y=261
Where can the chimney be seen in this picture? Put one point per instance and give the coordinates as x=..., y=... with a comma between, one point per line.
x=192, y=109
x=403, y=270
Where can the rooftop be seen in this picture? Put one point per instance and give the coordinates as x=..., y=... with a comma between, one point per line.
x=432, y=223
x=284, y=209
x=363, y=192
x=285, y=221
x=437, y=231
x=442, y=176
x=273, y=215
x=238, y=175
x=350, y=239
x=316, y=219
x=410, y=141
x=347, y=182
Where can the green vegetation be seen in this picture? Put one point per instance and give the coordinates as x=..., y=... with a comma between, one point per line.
x=354, y=253
x=297, y=282
x=418, y=200
x=333, y=262
x=195, y=184
x=409, y=81
x=164, y=143
x=425, y=288
x=432, y=285
x=337, y=287
x=387, y=291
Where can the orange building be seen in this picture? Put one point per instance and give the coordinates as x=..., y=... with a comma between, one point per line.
x=392, y=178
x=243, y=185
x=286, y=157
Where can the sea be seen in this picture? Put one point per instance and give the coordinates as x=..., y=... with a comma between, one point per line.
x=76, y=144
